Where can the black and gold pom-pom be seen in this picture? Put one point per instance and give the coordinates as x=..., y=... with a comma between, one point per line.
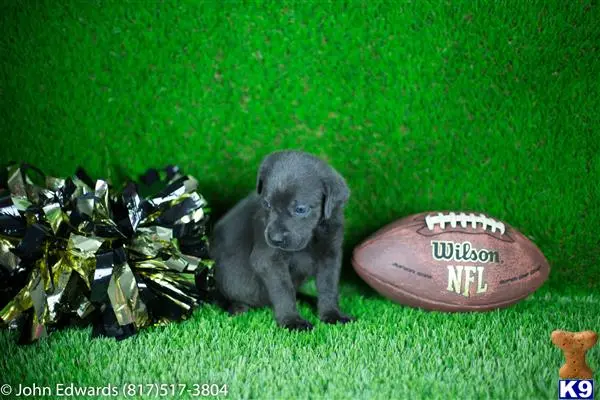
x=76, y=251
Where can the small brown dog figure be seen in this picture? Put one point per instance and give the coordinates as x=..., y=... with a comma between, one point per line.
x=574, y=346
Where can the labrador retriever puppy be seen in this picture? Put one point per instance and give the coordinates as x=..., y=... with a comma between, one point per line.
x=289, y=229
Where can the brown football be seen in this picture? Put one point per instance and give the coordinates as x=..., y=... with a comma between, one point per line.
x=451, y=261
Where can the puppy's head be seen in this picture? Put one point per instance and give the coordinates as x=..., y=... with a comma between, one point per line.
x=297, y=192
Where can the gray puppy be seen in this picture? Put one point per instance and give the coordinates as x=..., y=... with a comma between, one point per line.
x=290, y=229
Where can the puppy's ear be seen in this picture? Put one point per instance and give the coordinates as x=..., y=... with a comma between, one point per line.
x=336, y=193
x=264, y=171
x=259, y=183
x=260, y=179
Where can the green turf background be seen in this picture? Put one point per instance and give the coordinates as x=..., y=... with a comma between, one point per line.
x=421, y=105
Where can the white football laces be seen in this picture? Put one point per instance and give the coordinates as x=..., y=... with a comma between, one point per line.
x=464, y=220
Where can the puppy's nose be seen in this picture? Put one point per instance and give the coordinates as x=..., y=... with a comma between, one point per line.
x=278, y=238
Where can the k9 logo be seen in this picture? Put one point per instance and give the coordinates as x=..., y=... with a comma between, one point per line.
x=575, y=389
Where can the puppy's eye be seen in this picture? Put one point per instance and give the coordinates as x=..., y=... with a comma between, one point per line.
x=301, y=210
x=266, y=204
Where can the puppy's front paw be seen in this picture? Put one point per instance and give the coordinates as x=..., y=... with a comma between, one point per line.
x=334, y=317
x=297, y=324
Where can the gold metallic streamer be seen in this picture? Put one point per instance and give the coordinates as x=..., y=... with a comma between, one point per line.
x=125, y=298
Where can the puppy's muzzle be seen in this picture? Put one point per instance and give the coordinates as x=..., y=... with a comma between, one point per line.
x=279, y=239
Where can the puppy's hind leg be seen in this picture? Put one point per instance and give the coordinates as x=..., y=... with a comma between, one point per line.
x=230, y=306
x=236, y=308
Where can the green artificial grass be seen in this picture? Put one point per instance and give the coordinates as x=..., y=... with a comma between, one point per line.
x=487, y=106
